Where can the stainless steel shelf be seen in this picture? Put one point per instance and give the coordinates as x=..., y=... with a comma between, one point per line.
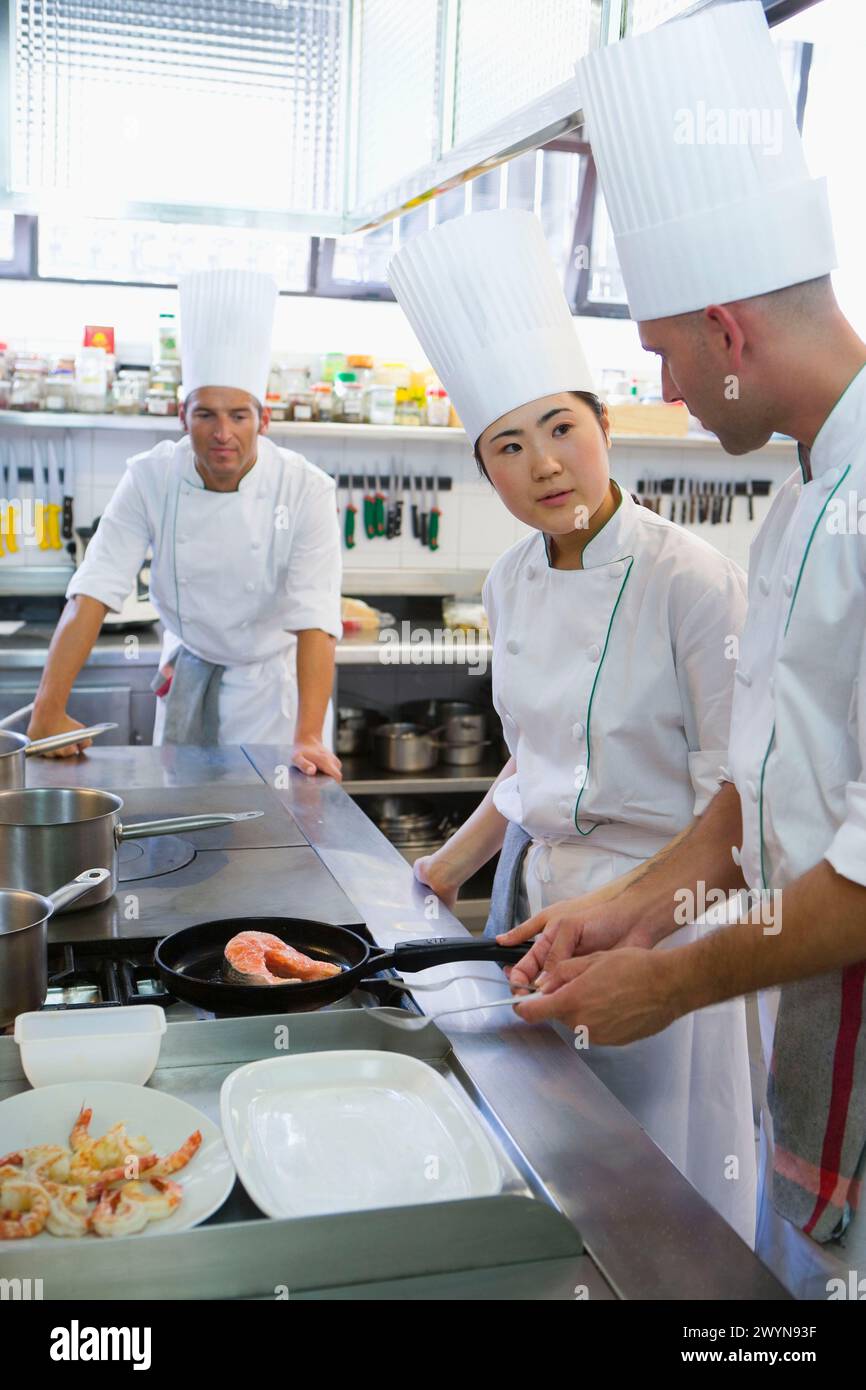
x=361, y=777
x=358, y=583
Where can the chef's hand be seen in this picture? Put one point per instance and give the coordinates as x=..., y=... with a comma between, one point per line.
x=311, y=756
x=573, y=927
x=43, y=726
x=616, y=996
x=432, y=873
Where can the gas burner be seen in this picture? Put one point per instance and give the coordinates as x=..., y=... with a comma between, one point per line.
x=88, y=977
x=153, y=857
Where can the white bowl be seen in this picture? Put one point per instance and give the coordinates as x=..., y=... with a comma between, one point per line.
x=116, y=1044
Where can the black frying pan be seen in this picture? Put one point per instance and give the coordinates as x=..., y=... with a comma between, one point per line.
x=190, y=963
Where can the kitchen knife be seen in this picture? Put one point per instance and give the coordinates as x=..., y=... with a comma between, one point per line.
x=67, y=529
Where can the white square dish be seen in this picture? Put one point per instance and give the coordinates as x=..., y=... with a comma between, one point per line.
x=350, y=1131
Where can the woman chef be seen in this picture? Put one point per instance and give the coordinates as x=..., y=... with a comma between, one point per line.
x=613, y=634
x=245, y=572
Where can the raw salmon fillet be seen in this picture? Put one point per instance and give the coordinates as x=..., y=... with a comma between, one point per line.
x=257, y=958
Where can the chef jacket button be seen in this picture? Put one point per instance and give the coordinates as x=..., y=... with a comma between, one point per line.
x=565, y=808
x=512, y=646
x=764, y=584
x=249, y=586
x=616, y=569
x=593, y=652
x=578, y=730
x=830, y=479
x=530, y=571
x=743, y=677
x=736, y=856
x=788, y=585
x=752, y=789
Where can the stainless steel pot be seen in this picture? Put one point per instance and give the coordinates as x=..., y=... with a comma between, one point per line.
x=458, y=721
x=405, y=748
x=463, y=754
x=352, y=727
x=15, y=749
x=24, y=941
x=48, y=833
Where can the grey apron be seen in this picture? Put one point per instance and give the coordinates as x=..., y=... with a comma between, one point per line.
x=507, y=881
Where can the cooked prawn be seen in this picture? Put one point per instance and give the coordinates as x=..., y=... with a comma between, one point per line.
x=158, y=1196
x=118, y=1215
x=68, y=1210
x=80, y=1133
x=23, y=1209
x=128, y=1171
x=172, y=1163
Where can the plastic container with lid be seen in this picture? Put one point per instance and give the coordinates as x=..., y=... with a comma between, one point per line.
x=166, y=347
x=59, y=390
x=407, y=411
x=129, y=391
x=302, y=406
x=323, y=401
x=380, y=403
x=332, y=363
x=438, y=406
x=348, y=398
x=27, y=390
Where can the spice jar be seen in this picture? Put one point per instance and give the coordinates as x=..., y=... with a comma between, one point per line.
x=323, y=401
x=129, y=391
x=348, y=396
x=380, y=404
x=27, y=391
x=59, y=390
x=438, y=406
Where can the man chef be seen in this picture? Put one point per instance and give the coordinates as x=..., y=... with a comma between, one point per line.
x=245, y=574
x=726, y=250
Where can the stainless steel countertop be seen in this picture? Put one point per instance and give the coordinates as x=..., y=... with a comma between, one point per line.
x=648, y=1232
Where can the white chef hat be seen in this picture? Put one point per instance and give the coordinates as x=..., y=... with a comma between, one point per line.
x=486, y=303
x=701, y=164
x=226, y=320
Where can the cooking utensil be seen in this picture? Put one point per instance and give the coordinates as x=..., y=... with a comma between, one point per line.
x=52, y=832
x=405, y=748
x=349, y=523
x=435, y=513
x=16, y=714
x=462, y=754
x=68, y=487
x=24, y=941
x=55, y=499
x=16, y=748
x=352, y=730
x=190, y=963
x=413, y=1023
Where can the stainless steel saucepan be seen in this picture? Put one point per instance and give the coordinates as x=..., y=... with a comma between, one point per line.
x=48, y=833
x=15, y=749
x=24, y=941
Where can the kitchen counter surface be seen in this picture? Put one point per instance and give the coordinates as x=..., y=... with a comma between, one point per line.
x=647, y=1233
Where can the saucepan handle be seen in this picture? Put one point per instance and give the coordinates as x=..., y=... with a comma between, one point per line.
x=47, y=745
x=76, y=888
x=10, y=719
x=176, y=825
x=443, y=950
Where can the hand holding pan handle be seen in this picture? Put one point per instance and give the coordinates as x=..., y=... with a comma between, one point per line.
x=176, y=825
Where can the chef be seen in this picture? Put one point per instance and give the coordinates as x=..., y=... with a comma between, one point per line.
x=726, y=252
x=245, y=573
x=611, y=631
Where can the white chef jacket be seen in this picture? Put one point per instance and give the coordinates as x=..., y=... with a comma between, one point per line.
x=234, y=575
x=614, y=686
x=798, y=733
x=614, y=682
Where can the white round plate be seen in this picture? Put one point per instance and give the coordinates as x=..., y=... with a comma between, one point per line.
x=46, y=1116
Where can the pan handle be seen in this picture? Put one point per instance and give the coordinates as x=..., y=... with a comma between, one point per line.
x=16, y=714
x=47, y=745
x=175, y=825
x=443, y=950
x=76, y=888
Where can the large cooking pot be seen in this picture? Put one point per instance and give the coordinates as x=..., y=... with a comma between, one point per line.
x=456, y=721
x=48, y=833
x=24, y=942
x=15, y=749
x=405, y=748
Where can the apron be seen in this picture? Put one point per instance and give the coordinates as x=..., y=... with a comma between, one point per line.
x=688, y=1086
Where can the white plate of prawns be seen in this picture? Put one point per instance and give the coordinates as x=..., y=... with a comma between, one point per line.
x=105, y=1159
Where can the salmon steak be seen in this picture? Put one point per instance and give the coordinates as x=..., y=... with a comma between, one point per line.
x=257, y=958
